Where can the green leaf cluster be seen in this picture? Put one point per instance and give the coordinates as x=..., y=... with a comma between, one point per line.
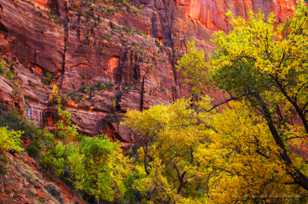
x=10, y=140
x=192, y=67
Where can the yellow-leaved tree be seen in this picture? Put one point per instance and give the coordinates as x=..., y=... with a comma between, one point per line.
x=192, y=156
x=265, y=64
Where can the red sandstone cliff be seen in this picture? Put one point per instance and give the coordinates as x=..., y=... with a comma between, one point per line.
x=106, y=57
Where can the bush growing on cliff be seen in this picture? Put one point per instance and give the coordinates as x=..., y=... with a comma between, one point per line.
x=2, y=66
x=40, y=138
x=5, y=70
x=95, y=166
x=10, y=140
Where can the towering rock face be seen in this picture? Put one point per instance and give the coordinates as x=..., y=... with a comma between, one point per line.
x=211, y=13
x=105, y=56
x=102, y=62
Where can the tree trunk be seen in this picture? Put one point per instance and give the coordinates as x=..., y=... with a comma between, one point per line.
x=181, y=178
x=298, y=110
x=297, y=176
x=145, y=159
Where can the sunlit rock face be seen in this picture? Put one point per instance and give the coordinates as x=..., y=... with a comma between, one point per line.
x=211, y=13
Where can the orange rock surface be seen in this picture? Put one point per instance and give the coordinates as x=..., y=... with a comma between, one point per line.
x=41, y=3
x=211, y=13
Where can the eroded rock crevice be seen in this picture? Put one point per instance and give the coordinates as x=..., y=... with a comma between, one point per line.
x=166, y=10
x=54, y=7
x=142, y=90
x=66, y=24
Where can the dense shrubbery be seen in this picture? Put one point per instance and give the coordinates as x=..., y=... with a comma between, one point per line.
x=40, y=138
x=9, y=141
x=93, y=165
x=5, y=70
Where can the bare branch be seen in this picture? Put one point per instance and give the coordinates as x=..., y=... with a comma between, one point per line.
x=296, y=137
x=222, y=103
x=232, y=98
x=305, y=85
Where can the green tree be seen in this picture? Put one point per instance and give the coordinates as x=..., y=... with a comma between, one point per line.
x=192, y=68
x=93, y=165
x=196, y=155
x=98, y=167
x=241, y=160
x=169, y=168
x=266, y=64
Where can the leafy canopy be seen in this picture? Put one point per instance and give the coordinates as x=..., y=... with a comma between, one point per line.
x=193, y=156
